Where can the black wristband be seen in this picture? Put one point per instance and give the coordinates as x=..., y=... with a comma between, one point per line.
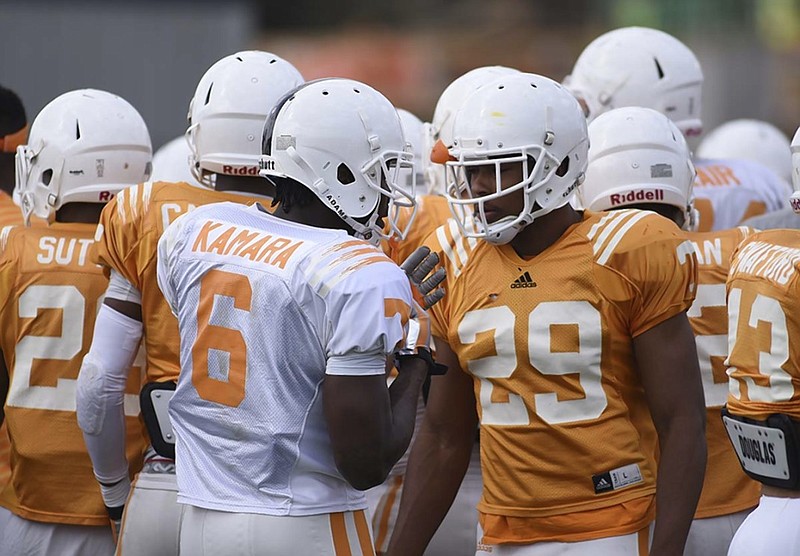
x=434, y=368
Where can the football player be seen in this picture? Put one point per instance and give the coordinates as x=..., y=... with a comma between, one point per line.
x=286, y=324
x=639, y=159
x=761, y=414
x=226, y=117
x=13, y=132
x=84, y=147
x=566, y=335
x=637, y=66
x=748, y=139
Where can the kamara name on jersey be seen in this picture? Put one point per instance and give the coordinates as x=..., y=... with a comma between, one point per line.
x=773, y=262
x=63, y=251
x=216, y=237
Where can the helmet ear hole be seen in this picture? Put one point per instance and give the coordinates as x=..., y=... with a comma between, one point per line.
x=344, y=174
x=563, y=168
x=47, y=176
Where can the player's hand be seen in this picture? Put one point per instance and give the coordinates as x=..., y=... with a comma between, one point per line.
x=417, y=267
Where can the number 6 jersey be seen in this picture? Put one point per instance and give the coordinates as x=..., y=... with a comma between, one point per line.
x=567, y=441
x=266, y=308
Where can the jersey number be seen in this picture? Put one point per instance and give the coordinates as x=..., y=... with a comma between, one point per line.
x=579, y=316
x=764, y=310
x=221, y=342
x=64, y=347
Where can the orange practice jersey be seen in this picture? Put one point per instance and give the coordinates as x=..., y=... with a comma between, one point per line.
x=726, y=488
x=764, y=302
x=567, y=441
x=432, y=212
x=50, y=291
x=130, y=227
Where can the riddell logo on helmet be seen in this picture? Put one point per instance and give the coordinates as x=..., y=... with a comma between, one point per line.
x=240, y=170
x=633, y=196
x=105, y=196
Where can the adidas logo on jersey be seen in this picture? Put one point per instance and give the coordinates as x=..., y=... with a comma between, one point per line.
x=524, y=281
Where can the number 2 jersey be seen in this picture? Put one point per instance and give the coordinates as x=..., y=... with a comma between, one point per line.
x=49, y=294
x=567, y=442
x=266, y=308
x=726, y=488
x=764, y=311
x=127, y=241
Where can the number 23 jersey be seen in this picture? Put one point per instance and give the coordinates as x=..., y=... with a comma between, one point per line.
x=565, y=428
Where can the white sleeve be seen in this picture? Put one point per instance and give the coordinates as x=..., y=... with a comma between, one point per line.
x=367, y=315
x=120, y=288
x=100, y=393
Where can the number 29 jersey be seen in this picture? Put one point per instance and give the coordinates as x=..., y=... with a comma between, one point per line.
x=266, y=308
x=567, y=441
x=49, y=296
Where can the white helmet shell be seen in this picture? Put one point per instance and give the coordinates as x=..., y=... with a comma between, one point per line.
x=637, y=156
x=450, y=101
x=227, y=113
x=341, y=139
x=171, y=162
x=523, y=118
x=748, y=139
x=84, y=146
x=638, y=66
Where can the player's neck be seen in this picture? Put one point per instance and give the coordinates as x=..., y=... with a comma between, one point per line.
x=84, y=213
x=544, y=231
x=315, y=214
x=240, y=184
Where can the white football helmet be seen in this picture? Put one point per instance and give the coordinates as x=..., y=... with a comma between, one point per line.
x=638, y=156
x=523, y=118
x=441, y=128
x=84, y=146
x=414, y=133
x=754, y=140
x=227, y=113
x=171, y=162
x=638, y=66
x=343, y=140
x=795, y=200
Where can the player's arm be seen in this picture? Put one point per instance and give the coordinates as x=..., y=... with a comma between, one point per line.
x=101, y=392
x=439, y=457
x=666, y=357
x=371, y=426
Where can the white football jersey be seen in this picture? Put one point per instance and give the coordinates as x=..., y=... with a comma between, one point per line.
x=266, y=308
x=728, y=192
